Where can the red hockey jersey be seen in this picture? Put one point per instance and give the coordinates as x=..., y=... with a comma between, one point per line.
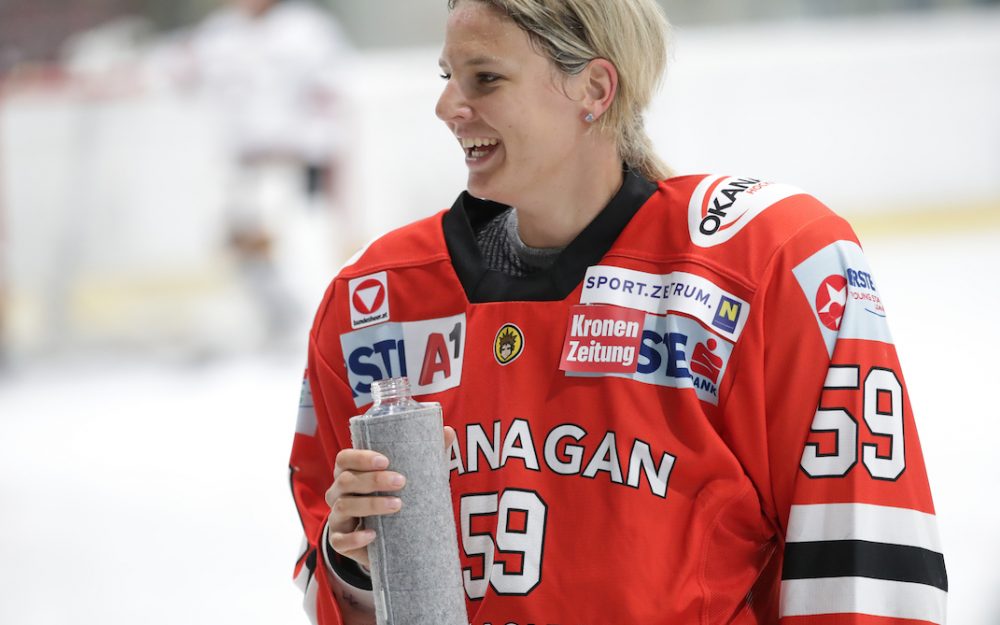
x=696, y=415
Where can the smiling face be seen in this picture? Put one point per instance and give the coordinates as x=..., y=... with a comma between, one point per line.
x=517, y=118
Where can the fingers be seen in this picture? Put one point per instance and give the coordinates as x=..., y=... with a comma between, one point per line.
x=354, y=483
x=347, y=506
x=353, y=545
x=358, y=473
x=353, y=508
x=359, y=460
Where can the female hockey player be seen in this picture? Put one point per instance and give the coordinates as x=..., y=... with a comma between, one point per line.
x=669, y=399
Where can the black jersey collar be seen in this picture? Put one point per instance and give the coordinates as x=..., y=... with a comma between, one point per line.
x=568, y=270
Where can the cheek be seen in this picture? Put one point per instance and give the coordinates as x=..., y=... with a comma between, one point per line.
x=548, y=137
x=537, y=129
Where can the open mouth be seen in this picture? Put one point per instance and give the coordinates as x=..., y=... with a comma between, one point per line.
x=477, y=148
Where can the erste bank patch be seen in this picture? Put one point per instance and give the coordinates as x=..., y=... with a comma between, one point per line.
x=839, y=286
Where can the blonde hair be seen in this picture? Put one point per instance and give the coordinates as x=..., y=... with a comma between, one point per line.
x=632, y=34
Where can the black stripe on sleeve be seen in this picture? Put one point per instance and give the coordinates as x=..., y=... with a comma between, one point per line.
x=860, y=558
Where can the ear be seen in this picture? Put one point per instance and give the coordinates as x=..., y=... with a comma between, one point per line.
x=600, y=85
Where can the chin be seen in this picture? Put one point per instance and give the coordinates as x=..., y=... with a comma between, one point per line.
x=493, y=188
x=482, y=189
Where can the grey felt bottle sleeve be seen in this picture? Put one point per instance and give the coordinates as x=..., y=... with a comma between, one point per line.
x=416, y=575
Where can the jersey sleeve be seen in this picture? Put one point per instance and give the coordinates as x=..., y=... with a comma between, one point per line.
x=325, y=397
x=846, y=483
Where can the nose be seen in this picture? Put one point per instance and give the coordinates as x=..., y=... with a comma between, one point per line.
x=452, y=106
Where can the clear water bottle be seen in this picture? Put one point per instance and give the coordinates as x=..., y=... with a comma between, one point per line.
x=416, y=575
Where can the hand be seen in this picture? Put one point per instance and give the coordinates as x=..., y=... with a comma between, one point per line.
x=356, y=475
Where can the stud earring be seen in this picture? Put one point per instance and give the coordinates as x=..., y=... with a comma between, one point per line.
x=589, y=118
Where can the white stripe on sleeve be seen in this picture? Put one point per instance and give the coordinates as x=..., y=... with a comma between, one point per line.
x=862, y=595
x=859, y=521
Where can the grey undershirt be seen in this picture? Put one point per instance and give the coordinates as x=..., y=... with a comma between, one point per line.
x=504, y=251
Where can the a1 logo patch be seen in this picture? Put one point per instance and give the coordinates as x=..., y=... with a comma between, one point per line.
x=369, y=300
x=429, y=352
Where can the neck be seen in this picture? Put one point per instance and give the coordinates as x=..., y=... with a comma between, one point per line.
x=572, y=201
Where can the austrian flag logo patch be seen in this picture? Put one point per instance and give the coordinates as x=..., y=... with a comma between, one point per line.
x=369, y=300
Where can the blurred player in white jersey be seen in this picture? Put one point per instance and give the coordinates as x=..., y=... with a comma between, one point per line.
x=272, y=68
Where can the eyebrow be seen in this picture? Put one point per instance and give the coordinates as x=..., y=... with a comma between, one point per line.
x=475, y=61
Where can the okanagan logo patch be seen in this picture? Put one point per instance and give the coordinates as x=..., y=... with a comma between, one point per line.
x=721, y=206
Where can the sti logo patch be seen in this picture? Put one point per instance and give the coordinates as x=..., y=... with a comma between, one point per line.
x=369, y=300
x=839, y=287
x=429, y=352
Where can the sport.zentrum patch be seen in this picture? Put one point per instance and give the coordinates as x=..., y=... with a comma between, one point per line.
x=369, y=299
x=660, y=294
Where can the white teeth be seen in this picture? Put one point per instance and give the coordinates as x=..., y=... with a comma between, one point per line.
x=475, y=142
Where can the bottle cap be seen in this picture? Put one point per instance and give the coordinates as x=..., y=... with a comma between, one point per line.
x=391, y=389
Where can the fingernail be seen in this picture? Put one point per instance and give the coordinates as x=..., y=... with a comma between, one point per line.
x=380, y=462
x=397, y=480
x=395, y=503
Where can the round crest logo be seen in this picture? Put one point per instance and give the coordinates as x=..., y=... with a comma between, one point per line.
x=831, y=300
x=508, y=344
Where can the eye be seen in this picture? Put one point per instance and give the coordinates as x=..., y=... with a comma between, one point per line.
x=445, y=76
x=487, y=78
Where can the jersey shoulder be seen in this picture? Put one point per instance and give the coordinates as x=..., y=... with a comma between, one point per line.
x=721, y=208
x=361, y=292
x=419, y=243
x=729, y=226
